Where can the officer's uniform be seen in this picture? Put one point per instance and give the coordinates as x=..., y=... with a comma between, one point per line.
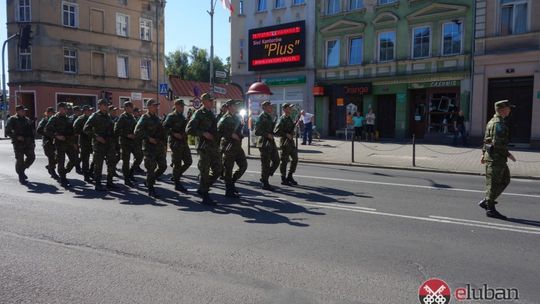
x=21, y=132
x=231, y=149
x=61, y=125
x=286, y=127
x=138, y=142
x=124, y=127
x=101, y=124
x=267, y=147
x=495, y=155
x=76, y=114
x=155, y=155
x=175, y=123
x=85, y=143
x=48, y=143
x=117, y=146
x=203, y=120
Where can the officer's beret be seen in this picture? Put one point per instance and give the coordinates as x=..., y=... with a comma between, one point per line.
x=152, y=102
x=103, y=101
x=21, y=107
x=128, y=104
x=287, y=105
x=207, y=96
x=266, y=103
x=179, y=102
x=503, y=104
x=50, y=110
x=232, y=102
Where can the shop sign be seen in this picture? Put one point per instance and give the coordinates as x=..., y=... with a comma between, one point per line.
x=435, y=84
x=286, y=80
x=358, y=89
x=136, y=96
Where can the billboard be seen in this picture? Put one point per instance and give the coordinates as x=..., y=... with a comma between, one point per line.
x=278, y=46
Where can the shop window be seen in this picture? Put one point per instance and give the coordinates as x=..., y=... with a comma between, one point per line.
x=513, y=16
x=442, y=108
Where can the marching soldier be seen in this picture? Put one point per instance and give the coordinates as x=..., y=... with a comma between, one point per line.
x=495, y=156
x=154, y=140
x=100, y=127
x=60, y=128
x=113, y=112
x=285, y=130
x=264, y=128
x=230, y=130
x=203, y=125
x=48, y=144
x=19, y=128
x=124, y=128
x=85, y=142
x=175, y=124
x=138, y=144
x=77, y=112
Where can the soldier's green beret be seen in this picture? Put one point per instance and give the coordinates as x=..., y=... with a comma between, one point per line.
x=152, y=102
x=266, y=103
x=207, y=96
x=102, y=101
x=503, y=104
x=287, y=105
x=179, y=102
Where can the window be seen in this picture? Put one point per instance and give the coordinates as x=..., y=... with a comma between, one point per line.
x=25, y=59
x=513, y=17
x=23, y=11
x=241, y=53
x=383, y=2
x=261, y=6
x=122, y=66
x=333, y=7
x=356, y=4
x=70, y=60
x=387, y=44
x=146, y=29
x=122, y=100
x=332, y=53
x=280, y=4
x=70, y=14
x=241, y=7
x=298, y=2
x=122, y=25
x=452, y=38
x=146, y=65
x=355, y=50
x=421, y=42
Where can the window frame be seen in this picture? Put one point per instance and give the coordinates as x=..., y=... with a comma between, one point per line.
x=356, y=8
x=429, y=43
x=326, y=56
x=349, y=45
x=379, y=46
x=387, y=2
x=262, y=6
x=127, y=24
x=513, y=25
x=461, y=33
x=147, y=25
x=148, y=68
x=28, y=59
x=66, y=23
x=70, y=58
x=126, y=66
x=336, y=11
x=18, y=10
x=298, y=2
x=283, y=4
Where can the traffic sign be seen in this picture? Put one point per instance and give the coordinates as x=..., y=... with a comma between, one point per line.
x=221, y=74
x=220, y=90
x=163, y=89
x=196, y=103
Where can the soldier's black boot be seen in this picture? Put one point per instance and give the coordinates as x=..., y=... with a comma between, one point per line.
x=229, y=192
x=99, y=186
x=492, y=211
x=285, y=181
x=110, y=184
x=78, y=169
x=179, y=187
x=88, y=177
x=266, y=186
x=21, y=175
x=483, y=204
x=131, y=174
x=64, y=182
x=207, y=200
x=291, y=180
x=128, y=182
x=152, y=192
x=52, y=173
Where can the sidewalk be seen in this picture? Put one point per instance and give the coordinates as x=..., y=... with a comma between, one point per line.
x=429, y=157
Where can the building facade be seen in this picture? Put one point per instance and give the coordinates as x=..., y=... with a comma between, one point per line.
x=407, y=60
x=83, y=50
x=507, y=66
x=274, y=41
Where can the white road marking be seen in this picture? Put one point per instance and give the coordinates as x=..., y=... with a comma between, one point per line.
x=479, y=222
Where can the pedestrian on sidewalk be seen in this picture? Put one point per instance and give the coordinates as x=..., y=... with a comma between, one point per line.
x=285, y=130
x=307, y=119
x=495, y=157
x=370, y=125
x=21, y=131
x=264, y=129
x=358, y=122
x=459, y=129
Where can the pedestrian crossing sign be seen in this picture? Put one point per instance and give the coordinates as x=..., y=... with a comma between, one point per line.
x=163, y=89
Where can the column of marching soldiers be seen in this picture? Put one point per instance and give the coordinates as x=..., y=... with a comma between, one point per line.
x=107, y=138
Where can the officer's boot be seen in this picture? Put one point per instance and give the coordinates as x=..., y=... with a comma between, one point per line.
x=483, y=204
x=78, y=169
x=87, y=177
x=51, y=171
x=22, y=180
x=110, y=184
x=266, y=186
x=64, y=181
x=99, y=186
x=128, y=182
x=492, y=211
x=178, y=186
x=207, y=200
x=285, y=181
x=291, y=180
x=152, y=191
x=229, y=191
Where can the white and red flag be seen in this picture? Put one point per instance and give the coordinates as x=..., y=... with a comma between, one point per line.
x=227, y=5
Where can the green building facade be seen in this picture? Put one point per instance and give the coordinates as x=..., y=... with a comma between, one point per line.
x=407, y=60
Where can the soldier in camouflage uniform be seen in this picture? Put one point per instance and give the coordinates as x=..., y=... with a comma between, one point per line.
x=495, y=155
x=85, y=142
x=60, y=128
x=285, y=130
x=230, y=131
x=76, y=113
x=203, y=124
x=138, y=144
x=48, y=144
x=21, y=131
x=175, y=124
x=100, y=127
x=113, y=112
x=222, y=112
x=154, y=140
x=264, y=128
x=124, y=128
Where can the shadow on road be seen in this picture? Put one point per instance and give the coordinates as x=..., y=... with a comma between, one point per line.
x=524, y=222
x=35, y=187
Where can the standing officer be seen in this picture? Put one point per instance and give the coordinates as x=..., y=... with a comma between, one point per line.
x=154, y=140
x=285, y=130
x=230, y=130
x=100, y=127
x=85, y=141
x=495, y=156
x=60, y=127
x=264, y=128
x=48, y=144
x=19, y=128
x=203, y=124
x=175, y=124
x=124, y=128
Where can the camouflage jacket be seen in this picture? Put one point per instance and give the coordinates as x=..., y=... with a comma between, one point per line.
x=100, y=124
x=78, y=126
x=285, y=127
x=124, y=126
x=175, y=122
x=150, y=126
x=203, y=120
x=19, y=126
x=264, y=126
x=228, y=125
x=496, y=140
x=60, y=125
x=41, y=129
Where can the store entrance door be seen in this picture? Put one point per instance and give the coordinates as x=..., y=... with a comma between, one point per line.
x=418, y=113
x=386, y=116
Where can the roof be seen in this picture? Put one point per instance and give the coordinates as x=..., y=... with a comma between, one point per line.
x=188, y=88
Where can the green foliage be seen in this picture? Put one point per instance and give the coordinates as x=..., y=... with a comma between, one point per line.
x=195, y=65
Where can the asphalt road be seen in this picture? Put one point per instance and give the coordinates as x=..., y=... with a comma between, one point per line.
x=344, y=235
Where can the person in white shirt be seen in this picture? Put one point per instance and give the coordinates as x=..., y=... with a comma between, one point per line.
x=370, y=125
x=307, y=120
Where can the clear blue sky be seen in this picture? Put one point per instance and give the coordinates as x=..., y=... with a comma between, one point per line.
x=187, y=24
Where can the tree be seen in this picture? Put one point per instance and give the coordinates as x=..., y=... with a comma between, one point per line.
x=177, y=63
x=194, y=65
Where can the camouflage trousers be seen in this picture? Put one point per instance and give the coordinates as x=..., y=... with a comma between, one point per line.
x=127, y=149
x=86, y=151
x=209, y=167
x=155, y=162
x=231, y=157
x=104, y=152
x=497, y=179
x=49, y=150
x=269, y=161
x=181, y=160
x=24, y=154
x=63, y=149
x=288, y=151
